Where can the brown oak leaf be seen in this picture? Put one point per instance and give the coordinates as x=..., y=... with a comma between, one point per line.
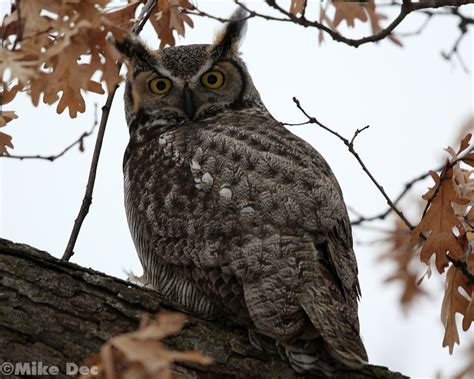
x=375, y=18
x=297, y=7
x=6, y=117
x=7, y=95
x=141, y=354
x=403, y=254
x=167, y=16
x=5, y=141
x=55, y=47
x=454, y=302
x=349, y=12
x=440, y=222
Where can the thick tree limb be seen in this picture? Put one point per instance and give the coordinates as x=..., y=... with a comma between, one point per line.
x=55, y=312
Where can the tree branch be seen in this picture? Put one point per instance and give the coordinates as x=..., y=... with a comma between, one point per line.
x=87, y=200
x=406, y=8
x=407, y=187
x=462, y=265
x=463, y=27
x=56, y=312
x=350, y=146
x=79, y=141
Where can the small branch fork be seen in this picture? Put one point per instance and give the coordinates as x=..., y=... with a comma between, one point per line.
x=350, y=146
x=407, y=187
x=79, y=141
x=87, y=200
x=463, y=27
x=460, y=264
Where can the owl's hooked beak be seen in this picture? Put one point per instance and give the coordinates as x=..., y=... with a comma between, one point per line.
x=188, y=102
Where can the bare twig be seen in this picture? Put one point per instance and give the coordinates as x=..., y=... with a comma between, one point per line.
x=361, y=219
x=406, y=188
x=250, y=14
x=253, y=13
x=79, y=141
x=463, y=27
x=455, y=52
x=87, y=200
x=461, y=264
x=421, y=28
x=350, y=146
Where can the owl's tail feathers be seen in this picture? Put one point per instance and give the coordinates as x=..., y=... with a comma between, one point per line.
x=310, y=356
x=302, y=358
x=312, y=359
x=339, y=329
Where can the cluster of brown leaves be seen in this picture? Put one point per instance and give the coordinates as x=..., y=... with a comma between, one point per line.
x=53, y=48
x=345, y=11
x=45, y=41
x=140, y=354
x=457, y=194
x=448, y=213
x=407, y=266
x=445, y=230
x=167, y=17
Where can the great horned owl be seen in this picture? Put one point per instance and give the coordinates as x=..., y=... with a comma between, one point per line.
x=231, y=214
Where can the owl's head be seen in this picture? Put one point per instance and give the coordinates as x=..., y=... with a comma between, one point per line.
x=189, y=82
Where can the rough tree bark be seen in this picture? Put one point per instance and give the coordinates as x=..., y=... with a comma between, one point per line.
x=56, y=312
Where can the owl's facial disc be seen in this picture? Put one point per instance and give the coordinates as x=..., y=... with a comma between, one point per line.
x=213, y=87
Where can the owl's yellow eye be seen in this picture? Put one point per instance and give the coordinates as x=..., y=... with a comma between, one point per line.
x=160, y=86
x=213, y=79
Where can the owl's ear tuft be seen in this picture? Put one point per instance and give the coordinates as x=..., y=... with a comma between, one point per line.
x=134, y=51
x=230, y=38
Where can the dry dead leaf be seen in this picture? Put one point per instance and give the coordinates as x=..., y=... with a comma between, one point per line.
x=403, y=254
x=168, y=16
x=297, y=7
x=466, y=127
x=7, y=94
x=348, y=12
x=323, y=18
x=5, y=141
x=141, y=354
x=48, y=59
x=375, y=18
x=454, y=302
x=469, y=159
x=463, y=184
x=440, y=223
x=16, y=65
x=6, y=117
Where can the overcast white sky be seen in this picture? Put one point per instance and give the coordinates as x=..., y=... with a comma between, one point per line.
x=413, y=100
